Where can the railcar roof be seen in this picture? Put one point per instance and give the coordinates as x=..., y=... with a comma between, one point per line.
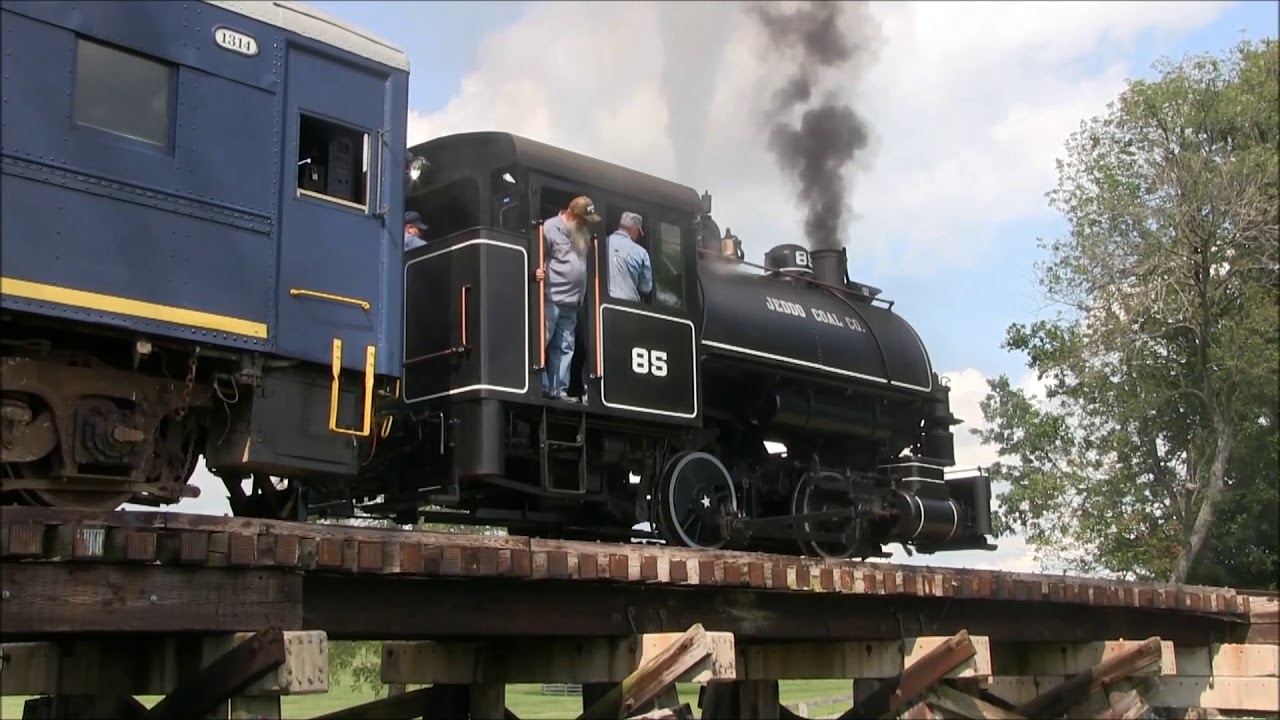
x=506, y=147
x=300, y=18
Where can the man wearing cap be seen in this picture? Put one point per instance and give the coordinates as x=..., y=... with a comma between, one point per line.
x=413, y=230
x=566, y=237
x=630, y=272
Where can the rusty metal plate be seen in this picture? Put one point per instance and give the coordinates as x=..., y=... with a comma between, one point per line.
x=140, y=546
x=25, y=540
x=193, y=547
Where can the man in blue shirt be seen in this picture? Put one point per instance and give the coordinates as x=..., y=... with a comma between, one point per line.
x=566, y=237
x=413, y=230
x=630, y=271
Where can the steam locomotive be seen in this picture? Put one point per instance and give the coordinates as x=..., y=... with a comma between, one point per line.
x=341, y=374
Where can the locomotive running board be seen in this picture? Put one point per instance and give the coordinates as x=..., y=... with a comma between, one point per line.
x=576, y=447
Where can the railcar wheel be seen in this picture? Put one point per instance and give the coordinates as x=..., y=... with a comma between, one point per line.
x=694, y=493
x=809, y=498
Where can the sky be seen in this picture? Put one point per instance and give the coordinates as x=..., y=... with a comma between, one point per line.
x=968, y=104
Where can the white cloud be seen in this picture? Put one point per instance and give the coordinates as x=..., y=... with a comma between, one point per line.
x=969, y=105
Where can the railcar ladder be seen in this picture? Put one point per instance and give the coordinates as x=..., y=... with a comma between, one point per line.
x=554, y=453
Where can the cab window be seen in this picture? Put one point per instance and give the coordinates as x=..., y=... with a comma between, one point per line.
x=668, y=266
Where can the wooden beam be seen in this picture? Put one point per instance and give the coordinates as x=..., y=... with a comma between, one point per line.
x=1124, y=700
x=1228, y=660
x=1118, y=666
x=48, y=598
x=488, y=701
x=678, y=712
x=574, y=660
x=224, y=678
x=75, y=707
x=953, y=701
x=758, y=699
x=1067, y=659
x=896, y=693
x=653, y=676
x=154, y=665
x=851, y=660
x=1226, y=694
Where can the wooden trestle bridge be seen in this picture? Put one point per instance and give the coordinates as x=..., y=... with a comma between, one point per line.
x=222, y=616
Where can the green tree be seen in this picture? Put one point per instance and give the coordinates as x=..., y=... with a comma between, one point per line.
x=1160, y=361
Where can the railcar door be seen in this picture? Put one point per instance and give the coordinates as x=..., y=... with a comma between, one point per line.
x=334, y=236
x=648, y=348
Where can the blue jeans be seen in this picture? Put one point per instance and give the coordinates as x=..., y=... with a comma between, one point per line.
x=562, y=321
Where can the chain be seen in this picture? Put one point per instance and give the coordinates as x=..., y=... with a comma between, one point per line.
x=181, y=411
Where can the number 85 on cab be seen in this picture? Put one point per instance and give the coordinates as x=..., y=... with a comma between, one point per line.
x=648, y=362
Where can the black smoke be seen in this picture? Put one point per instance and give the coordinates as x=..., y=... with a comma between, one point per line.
x=819, y=150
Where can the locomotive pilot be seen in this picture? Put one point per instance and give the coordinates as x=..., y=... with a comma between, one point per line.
x=566, y=237
x=630, y=272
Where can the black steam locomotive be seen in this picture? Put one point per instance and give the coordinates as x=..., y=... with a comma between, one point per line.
x=681, y=391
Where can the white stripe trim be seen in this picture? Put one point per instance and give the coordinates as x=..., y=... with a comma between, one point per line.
x=828, y=368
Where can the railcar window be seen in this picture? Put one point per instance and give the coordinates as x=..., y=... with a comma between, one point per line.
x=333, y=162
x=668, y=267
x=122, y=92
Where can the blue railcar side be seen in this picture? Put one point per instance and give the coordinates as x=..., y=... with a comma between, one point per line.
x=183, y=236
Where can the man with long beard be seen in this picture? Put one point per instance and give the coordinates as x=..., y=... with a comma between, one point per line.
x=566, y=237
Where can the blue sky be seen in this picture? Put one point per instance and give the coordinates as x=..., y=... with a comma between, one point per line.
x=969, y=104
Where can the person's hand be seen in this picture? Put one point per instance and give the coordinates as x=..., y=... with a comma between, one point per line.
x=539, y=274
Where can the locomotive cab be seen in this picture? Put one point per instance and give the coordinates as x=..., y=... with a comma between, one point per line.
x=476, y=333
x=494, y=191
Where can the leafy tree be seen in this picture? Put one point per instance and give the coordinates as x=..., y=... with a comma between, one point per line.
x=1156, y=443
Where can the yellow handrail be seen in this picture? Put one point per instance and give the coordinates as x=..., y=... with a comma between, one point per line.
x=296, y=292
x=370, y=354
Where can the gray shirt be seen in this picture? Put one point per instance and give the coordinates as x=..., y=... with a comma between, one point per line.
x=566, y=270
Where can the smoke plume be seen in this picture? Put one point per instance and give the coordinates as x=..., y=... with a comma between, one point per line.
x=693, y=42
x=817, y=152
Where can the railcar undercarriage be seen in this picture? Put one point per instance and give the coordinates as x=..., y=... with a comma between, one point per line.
x=99, y=427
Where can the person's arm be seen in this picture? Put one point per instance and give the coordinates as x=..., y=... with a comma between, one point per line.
x=646, y=273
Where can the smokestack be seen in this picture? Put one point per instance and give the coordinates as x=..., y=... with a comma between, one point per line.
x=817, y=152
x=830, y=266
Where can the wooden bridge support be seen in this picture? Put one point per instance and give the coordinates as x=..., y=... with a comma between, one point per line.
x=239, y=676
x=962, y=676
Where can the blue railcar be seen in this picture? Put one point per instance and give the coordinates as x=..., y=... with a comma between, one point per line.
x=202, y=245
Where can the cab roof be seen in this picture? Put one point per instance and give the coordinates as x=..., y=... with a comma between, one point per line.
x=495, y=149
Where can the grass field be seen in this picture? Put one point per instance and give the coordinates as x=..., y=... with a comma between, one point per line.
x=526, y=701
